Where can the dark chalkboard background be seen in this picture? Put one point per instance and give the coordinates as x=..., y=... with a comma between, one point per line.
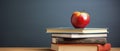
x=24, y=22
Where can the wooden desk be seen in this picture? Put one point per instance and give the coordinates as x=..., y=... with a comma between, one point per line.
x=115, y=49
x=35, y=49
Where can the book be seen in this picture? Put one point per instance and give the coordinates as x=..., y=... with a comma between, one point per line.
x=78, y=35
x=81, y=47
x=79, y=40
x=76, y=30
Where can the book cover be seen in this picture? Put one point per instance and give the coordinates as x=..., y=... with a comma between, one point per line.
x=81, y=47
x=78, y=35
x=80, y=40
x=77, y=30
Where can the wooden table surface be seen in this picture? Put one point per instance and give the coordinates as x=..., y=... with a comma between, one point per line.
x=36, y=49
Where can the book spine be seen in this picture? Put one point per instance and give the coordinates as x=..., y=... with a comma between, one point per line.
x=104, y=47
x=80, y=40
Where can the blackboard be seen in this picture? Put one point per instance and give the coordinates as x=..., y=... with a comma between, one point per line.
x=23, y=23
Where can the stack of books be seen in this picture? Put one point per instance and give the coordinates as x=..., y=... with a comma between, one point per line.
x=80, y=39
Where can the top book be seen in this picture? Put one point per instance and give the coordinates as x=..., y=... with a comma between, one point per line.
x=76, y=30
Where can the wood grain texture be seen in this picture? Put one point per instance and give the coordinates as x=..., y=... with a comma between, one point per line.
x=115, y=49
x=36, y=49
x=23, y=49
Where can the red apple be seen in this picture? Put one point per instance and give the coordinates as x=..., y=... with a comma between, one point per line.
x=80, y=19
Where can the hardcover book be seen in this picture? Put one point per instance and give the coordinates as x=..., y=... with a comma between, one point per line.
x=78, y=35
x=79, y=40
x=80, y=47
x=77, y=30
